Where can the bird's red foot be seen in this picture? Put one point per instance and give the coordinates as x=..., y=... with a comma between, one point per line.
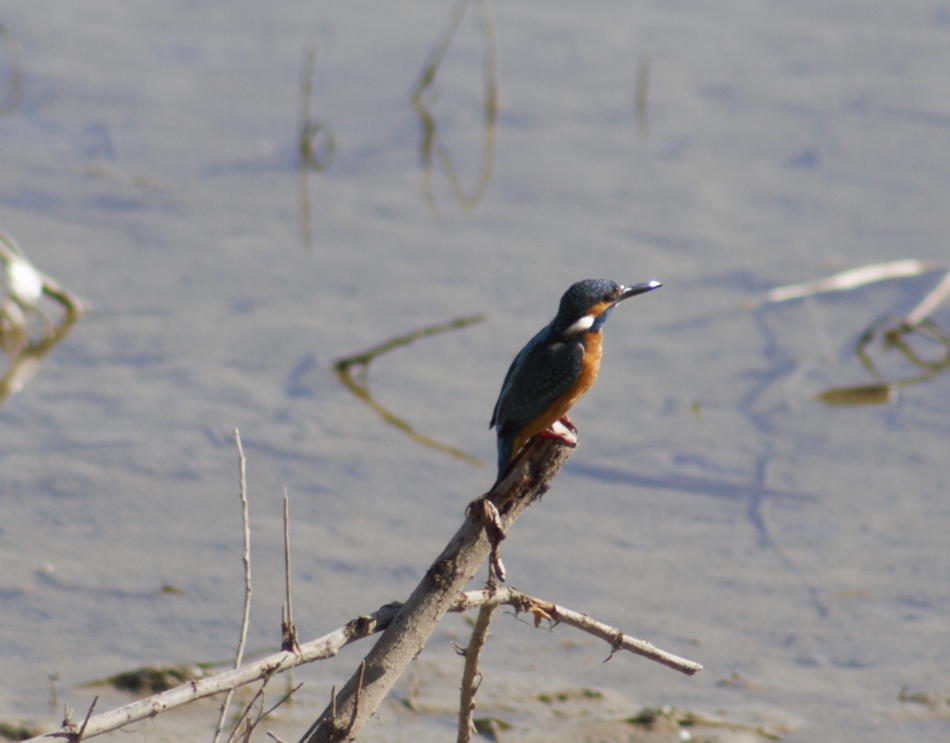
x=559, y=432
x=567, y=422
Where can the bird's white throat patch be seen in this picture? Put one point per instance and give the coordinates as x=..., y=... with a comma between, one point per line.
x=581, y=325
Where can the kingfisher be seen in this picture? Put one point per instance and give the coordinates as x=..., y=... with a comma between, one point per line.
x=556, y=367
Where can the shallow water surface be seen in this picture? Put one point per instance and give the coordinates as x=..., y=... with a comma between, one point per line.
x=151, y=166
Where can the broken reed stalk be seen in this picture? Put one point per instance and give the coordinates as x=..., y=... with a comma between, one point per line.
x=408, y=633
x=288, y=629
x=471, y=676
x=242, y=483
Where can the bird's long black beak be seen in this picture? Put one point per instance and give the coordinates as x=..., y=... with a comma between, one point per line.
x=631, y=291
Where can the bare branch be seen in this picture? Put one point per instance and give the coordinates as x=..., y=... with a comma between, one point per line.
x=242, y=481
x=471, y=677
x=320, y=649
x=542, y=610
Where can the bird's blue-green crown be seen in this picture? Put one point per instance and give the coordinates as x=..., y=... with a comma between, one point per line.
x=580, y=298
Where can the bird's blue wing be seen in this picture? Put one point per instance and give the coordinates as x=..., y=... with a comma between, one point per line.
x=538, y=376
x=538, y=340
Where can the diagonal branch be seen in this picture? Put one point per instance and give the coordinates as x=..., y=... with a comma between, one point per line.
x=528, y=480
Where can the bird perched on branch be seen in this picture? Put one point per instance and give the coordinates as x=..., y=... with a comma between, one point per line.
x=556, y=368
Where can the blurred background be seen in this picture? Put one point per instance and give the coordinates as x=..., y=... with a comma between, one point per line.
x=242, y=193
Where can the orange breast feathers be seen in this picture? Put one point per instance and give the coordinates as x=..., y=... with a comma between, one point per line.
x=593, y=350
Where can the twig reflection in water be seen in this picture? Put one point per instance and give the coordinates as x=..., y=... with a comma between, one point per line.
x=20, y=339
x=9, y=103
x=343, y=368
x=316, y=146
x=640, y=99
x=430, y=136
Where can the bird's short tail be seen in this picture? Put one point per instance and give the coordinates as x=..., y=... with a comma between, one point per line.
x=505, y=446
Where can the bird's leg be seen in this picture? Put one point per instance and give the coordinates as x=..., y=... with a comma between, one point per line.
x=565, y=438
x=566, y=433
x=486, y=513
x=567, y=422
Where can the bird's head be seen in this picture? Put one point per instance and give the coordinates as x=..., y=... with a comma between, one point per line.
x=587, y=304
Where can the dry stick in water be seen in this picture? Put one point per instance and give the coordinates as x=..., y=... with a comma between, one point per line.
x=471, y=677
x=242, y=479
x=845, y=280
x=929, y=303
x=288, y=628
